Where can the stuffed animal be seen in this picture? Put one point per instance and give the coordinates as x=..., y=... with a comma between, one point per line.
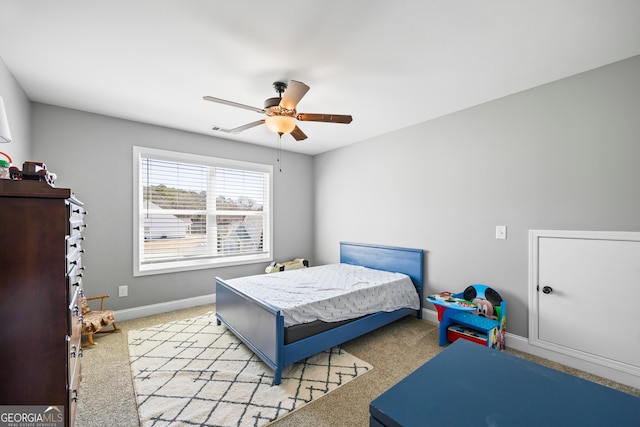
x=288, y=265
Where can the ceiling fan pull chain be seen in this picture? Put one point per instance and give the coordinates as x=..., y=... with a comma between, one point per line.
x=280, y=151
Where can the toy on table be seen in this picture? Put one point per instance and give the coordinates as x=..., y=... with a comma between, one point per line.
x=449, y=300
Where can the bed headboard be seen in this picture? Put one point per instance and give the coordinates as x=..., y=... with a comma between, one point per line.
x=389, y=258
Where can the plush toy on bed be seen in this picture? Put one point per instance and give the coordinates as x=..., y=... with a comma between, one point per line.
x=288, y=265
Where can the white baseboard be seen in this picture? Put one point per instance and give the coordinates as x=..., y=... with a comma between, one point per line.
x=430, y=315
x=164, y=307
x=519, y=343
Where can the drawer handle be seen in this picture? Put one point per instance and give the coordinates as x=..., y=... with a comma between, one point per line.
x=75, y=352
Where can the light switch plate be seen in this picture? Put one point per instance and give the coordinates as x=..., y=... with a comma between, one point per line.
x=123, y=291
x=501, y=232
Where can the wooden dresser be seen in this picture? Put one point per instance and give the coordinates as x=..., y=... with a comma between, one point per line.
x=40, y=290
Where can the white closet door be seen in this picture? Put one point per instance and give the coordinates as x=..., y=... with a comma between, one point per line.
x=593, y=299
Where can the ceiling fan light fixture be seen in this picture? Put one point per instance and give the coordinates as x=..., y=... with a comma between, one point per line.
x=281, y=115
x=280, y=124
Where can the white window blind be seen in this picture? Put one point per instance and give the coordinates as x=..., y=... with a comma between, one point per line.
x=199, y=212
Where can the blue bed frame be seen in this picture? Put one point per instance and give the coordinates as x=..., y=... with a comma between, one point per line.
x=261, y=326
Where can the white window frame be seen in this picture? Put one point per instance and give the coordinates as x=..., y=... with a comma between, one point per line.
x=186, y=265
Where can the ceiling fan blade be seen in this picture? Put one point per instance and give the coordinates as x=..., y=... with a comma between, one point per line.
x=239, y=128
x=293, y=94
x=330, y=118
x=233, y=104
x=298, y=134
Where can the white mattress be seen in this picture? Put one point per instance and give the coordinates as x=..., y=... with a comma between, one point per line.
x=330, y=293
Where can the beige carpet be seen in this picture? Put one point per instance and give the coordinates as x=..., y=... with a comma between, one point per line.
x=107, y=397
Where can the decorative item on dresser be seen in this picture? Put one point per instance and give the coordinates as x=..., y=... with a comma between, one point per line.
x=40, y=292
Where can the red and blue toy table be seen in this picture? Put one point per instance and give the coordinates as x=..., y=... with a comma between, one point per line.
x=460, y=316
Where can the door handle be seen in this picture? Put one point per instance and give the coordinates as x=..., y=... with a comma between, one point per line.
x=547, y=289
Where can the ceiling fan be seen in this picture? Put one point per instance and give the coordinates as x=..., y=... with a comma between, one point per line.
x=281, y=111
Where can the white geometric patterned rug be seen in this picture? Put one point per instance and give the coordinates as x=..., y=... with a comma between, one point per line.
x=194, y=372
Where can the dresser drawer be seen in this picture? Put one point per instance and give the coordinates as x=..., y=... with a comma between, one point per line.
x=76, y=219
x=73, y=389
x=76, y=211
x=74, y=262
x=74, y=267
x=75, y=312
x=74, y=351
x=74, y=279
x=76, y=225
x=74, y=243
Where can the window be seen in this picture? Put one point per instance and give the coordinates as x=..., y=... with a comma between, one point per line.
x=193, y=212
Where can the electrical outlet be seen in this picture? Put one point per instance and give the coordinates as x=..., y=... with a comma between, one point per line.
x=123, y=291
x=501, y=232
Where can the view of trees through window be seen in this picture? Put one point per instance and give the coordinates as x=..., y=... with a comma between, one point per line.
x=194, y=211
x=176, y=219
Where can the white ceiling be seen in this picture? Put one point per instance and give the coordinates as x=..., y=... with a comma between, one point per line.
x=390, y=64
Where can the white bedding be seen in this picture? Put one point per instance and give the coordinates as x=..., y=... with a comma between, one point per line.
x=330, y=293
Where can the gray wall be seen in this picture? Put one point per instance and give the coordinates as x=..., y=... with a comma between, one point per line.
x=562, y=156
x=92, y=155
x=18, y=109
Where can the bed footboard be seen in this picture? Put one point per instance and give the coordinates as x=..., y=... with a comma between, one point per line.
x=257, y=324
